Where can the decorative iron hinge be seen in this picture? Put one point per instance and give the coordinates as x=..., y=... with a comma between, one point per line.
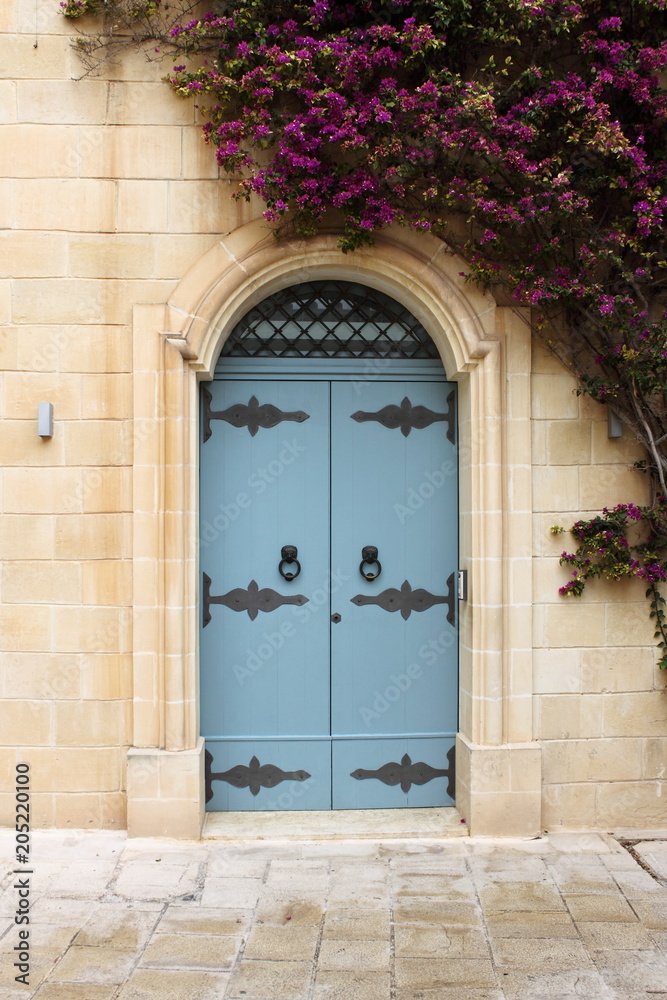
x=409, y=417
x=406, y=774
x=252, y=415
x=253, y=776
x=251, y=600
x=406, y=600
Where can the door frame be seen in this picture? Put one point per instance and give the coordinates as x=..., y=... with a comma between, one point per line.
x=486, y=349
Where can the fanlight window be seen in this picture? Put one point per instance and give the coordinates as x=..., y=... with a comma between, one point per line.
x=329, y=319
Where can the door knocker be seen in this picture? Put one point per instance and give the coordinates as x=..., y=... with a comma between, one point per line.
x=289, y=557
x=369, y=555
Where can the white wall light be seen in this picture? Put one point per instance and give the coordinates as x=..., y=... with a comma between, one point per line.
x=45, y=420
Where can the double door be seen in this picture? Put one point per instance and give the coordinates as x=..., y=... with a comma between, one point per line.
x=328, y=555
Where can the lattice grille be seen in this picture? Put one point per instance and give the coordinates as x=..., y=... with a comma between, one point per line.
x=329, y=319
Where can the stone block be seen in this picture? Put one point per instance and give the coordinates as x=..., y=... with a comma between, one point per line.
x=608, y=485
x=554, y=397
x=175, y=254
x=22, y=60
x=635, y=714
x=112, y=255
x=103, y=349
x=569, y=807
x=572, y=623
x=41, y=582
x=631, y=805
x=107, y=582
x=592, y=760
x=615, y=669
x=70, y=205
x=147, y=102
x=22, y=155
x=46, y=677
x=25, y=723
x=25, y=628
x=569, y=716
x=106, y=675
x=91, y=723
x=41, y=255
x=90, y=536
x=24, y=390
x=98, y=442
x=201, y=207
x=152, y=151
x=106, y=490
x=556, y=489
x=94, y=629
x=86, y=769
x=94, y=965
x=625, y=450
x=62, y=102
x=165, y=793
x=568, y=442
x=434, y=974
x=557, y=671
x=199, y=162
x=143, y=207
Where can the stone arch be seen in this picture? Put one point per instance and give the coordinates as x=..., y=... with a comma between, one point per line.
x=175, y=347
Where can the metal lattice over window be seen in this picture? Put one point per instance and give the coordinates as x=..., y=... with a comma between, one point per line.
x=329, y=319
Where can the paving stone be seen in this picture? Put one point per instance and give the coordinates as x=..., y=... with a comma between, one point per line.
x=652, y=913
x=60, y=911
x=654, y=853
x=433, y=886
x=296, y=911
x=75, y=991
x=94, y=965
x=568, y=985
x=639, y=884
x=241, y=893
x=520, y=896
x=189, y=919
x=450, y=993
x=354, y=955
x=152, y=984
x=602, y=935
x=288, y=941
x=229, y=864
x=56, y=936
x=428, y=941
x=191, y=951
x=357, y=925
x=543, y=924
x=340, y=985
x=600, y=907
x=270, y=981
x=540, y=953
x=116, y=927
x=437, y=912
x=426, y=973
x=633, y=970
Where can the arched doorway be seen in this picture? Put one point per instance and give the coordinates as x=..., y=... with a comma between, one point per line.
x=329, y=554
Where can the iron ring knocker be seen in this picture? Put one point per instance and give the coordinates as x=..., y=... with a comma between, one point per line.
x=289, y=555
x=369, y=555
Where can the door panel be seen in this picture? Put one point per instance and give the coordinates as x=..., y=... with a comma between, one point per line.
x=394, y=486
x=295, y=705
x=354, y=789
x=266, y=675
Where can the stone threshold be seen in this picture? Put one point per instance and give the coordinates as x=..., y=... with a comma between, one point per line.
x=336, y=824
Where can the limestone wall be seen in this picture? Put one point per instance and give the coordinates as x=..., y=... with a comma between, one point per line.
x=108, y=196
x=600, y=707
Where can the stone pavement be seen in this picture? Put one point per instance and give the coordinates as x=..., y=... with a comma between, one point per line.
x=563, y=917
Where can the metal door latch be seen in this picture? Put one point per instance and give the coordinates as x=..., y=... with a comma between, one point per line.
x=462, y=584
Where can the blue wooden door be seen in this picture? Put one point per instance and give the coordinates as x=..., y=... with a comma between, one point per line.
x=331, y=684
